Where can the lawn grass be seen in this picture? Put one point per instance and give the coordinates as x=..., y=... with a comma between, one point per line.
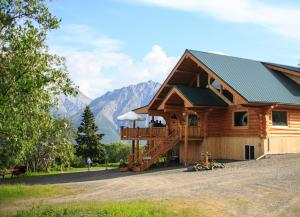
x=165, y=208
x=116, y=209
x=67, y=170
x=13, y=192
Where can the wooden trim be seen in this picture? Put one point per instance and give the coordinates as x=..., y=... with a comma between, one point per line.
x=174, y=91
x=180, y=71
x=183, y=57
x=219, y=94
x=186, y=136
x=141, y=110
x=282, y=70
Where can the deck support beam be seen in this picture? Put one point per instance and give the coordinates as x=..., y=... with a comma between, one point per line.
x=133, y=144
x=186, y=136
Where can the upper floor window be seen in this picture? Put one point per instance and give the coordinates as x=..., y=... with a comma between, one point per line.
x=240, y=119
x=279, y=118
x=193, y=120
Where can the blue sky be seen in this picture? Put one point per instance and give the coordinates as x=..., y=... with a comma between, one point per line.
x=113, y=43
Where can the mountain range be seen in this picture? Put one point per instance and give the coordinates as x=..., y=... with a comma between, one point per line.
x=107, y=107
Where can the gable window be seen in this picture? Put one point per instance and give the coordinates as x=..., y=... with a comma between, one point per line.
x=279, y=118
x=240, y=119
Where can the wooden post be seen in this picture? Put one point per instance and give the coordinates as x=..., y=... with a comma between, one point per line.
x=198, y=80
x=138, y=150
x=133, y=144
x=205, y=124
x=122, y=132
x=166, y=131
x=185, y=146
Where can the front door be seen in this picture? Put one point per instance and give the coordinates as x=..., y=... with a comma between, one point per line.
x=249, y=152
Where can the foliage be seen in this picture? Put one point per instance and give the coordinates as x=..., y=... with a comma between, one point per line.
x=211, y=165
x=123, y=164
x=88, y=140
x=117, y=152
x=215, y=164
x=116, y=209
x=29, y=78
x=14, y=192
x=55, y=147
x=136, y=164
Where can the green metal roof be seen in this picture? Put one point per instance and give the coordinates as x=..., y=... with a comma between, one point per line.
x=202, y=97
x=251, y=79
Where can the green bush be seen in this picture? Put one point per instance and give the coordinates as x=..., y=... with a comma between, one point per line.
x=78, y=162
x=117, y=151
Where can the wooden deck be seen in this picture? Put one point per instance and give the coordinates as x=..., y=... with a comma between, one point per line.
x=157, y=133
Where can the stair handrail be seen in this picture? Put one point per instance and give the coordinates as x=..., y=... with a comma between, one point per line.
x=164, y=145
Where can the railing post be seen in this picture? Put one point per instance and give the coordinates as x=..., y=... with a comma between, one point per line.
x=166, y=131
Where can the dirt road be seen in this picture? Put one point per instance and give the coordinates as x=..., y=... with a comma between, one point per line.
x=268, y=187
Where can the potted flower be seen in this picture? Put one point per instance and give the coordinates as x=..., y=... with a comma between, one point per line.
x=136, y=166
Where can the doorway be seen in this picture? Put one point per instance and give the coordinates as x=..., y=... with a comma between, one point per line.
x=249, y=152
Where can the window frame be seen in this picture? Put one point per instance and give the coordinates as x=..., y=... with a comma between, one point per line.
x=280, y=126
x=233, y=119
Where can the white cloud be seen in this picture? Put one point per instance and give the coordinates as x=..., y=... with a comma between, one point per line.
x=97, y=64
x=281, y=19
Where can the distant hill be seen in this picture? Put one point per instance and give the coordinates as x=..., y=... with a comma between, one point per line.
x=108, y=107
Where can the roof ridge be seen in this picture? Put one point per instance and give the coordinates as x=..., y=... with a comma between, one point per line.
x=243, y=58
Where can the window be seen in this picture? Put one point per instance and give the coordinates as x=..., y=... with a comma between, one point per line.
x=216, y=85
x=193, y=120
x=240, y=119
x=279, y=118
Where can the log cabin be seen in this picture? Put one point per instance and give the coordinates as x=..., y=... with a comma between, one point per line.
x=232, y=108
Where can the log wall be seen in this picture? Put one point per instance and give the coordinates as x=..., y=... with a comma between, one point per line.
x=220, y=123
x=231, y=148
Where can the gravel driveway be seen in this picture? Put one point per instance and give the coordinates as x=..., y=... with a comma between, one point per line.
x=268, y=187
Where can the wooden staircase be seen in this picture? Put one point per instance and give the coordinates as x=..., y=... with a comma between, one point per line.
x=151, y=155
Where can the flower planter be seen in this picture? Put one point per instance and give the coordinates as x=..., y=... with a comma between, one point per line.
x=136, y=168
x=123, y=169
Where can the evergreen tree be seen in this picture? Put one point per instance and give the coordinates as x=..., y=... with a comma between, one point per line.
x=88, y=140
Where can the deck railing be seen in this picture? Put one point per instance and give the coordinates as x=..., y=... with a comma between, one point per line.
x=194, y=131
x=143, y=133
x=156, y=133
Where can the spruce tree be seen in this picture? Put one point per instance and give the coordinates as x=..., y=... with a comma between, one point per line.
x=89, y=140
